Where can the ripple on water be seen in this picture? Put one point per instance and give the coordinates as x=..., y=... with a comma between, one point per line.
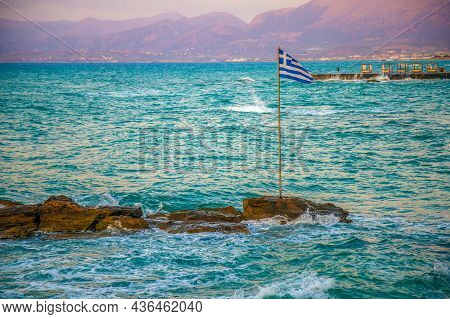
x=376, y=150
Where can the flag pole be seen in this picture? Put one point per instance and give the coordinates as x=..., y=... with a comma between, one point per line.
x=280, y=188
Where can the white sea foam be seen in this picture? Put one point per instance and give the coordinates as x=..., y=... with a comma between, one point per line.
x=256, y=106
x=441, y=268
x=314, y=110
x=337, y=79
x=312, y=219
x=108, y=200
x=307, y=218
x=300, y=286
x=247, y=79
x=130, y=93
x=159, y=210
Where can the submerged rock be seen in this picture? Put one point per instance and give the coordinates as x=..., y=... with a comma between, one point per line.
x=290, y=208
x=62, y=215
x=223, y=220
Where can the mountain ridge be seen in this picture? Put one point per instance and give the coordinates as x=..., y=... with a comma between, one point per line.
x=315, y=29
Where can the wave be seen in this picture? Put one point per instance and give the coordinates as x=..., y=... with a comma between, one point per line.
x=257, y=106
x=441, y=268
x=108, y=200
x=306, y=219
x=314, y=110
x=313, y=219
x=247, y=79
x=307, y=285
x=338, y=79
x=127, y=93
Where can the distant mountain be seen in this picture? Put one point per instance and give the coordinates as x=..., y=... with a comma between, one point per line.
x=23, y=36
x=331, y=23
x=318, y=28
x=203, y=34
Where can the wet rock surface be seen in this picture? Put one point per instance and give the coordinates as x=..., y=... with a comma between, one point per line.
x=8, y=203
x=64, y=218
x=61, y=214
x=18, y=221
x=290, y=208
x=211, y=220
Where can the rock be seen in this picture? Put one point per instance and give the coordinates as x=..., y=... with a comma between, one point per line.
x=64, y=218
x=197, y=228
x=16, y=233
x=290, y=208
x=7, y=203
x=121, y=223
x=214, y=215
x=18, y=221
x=61, y=214
x=224, y=220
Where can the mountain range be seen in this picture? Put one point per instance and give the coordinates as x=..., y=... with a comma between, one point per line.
x=319, y=28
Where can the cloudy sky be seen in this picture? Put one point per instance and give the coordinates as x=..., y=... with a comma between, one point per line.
x=44, y=10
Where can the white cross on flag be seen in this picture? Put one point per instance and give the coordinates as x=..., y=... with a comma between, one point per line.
x=291, y=69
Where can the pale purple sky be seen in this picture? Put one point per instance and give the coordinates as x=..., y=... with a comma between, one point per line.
x=45, y=10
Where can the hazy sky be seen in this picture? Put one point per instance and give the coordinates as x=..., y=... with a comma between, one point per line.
x=43, y=10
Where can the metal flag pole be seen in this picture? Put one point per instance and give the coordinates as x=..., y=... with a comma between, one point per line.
x=280, y=187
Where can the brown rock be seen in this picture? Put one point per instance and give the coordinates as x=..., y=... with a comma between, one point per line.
x=213, y=215
x=224, y=220
x=289, y=207
x=121, y=223
x=16, y=233
x=208, y=228
x=18, y=221
x=8, y=203
x=61, y=214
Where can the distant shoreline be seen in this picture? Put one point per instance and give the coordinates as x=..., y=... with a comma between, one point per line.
x=214, y=62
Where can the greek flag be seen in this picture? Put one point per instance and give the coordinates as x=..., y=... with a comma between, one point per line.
x=290, y=68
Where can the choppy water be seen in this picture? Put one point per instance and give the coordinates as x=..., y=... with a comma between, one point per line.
x=172, y=136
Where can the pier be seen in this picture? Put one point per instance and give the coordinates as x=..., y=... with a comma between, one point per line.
x=375, y=76
x=391, y=71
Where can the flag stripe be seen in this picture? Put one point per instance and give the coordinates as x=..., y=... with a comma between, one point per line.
x=291, y=69
x=286, y=76
x=294, y=71
x=296, y=64
x=294, y=76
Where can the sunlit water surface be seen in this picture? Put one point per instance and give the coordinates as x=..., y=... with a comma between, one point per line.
x=180, y=136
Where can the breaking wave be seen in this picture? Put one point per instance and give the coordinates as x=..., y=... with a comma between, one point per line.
x=108, y=200
x=256, y=106
x=247, y=79
x=298, y=286
x=441, y=268
x=314, y=110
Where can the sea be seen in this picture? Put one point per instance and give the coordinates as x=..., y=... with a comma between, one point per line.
x=170, y=136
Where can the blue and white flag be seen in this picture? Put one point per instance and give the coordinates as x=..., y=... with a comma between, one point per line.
x=290, y=68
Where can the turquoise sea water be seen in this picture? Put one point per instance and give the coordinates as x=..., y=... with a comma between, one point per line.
x=180, y=136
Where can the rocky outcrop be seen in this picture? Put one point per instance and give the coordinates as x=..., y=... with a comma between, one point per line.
x=8, y=203
x=223, y=220
x=18, y=221
x=62, y=215
x=290, y=208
